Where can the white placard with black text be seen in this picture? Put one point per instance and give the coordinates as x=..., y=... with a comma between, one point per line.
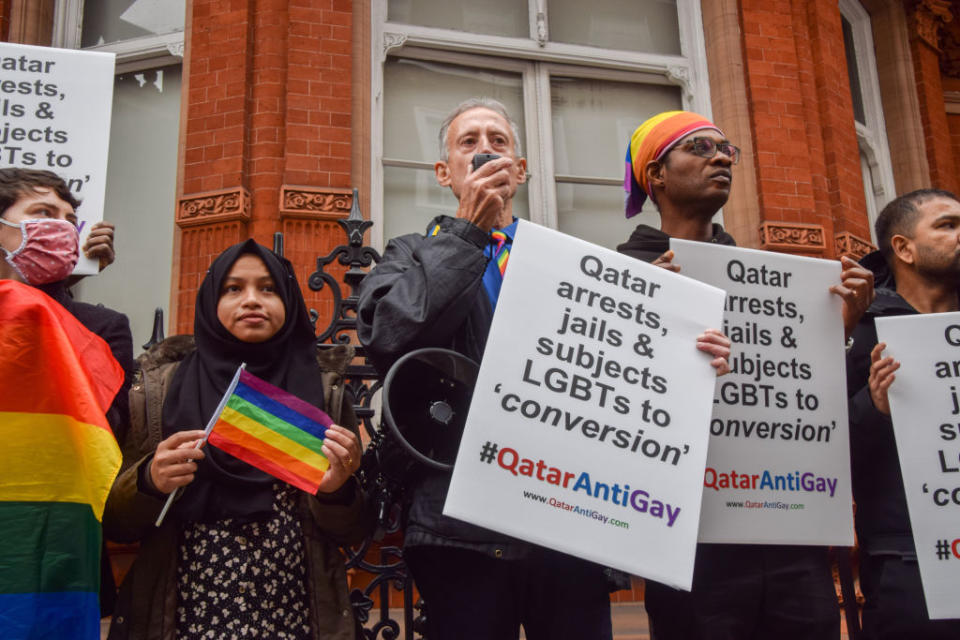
x=778, y=469
x=925, y=408
x=55, y=107
x=587, y=430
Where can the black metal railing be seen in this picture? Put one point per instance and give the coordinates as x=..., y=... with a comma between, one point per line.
x=387, y=567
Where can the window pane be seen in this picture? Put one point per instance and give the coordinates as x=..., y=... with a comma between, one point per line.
x=417, y=98
x=140, y=197
x=593, y=121
x=650, y=26
x=412, y=198
x=494, y=17
x=419, y=95
x=592, y=124
x=106, y=21
x=873, y=206
x=595, y=214
x=853, y=73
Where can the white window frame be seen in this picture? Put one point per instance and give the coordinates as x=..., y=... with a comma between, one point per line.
x=871, y=135
x=536, y=59
x=134, y=54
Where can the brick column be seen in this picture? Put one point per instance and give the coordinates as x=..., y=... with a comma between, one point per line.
x=315, y=188
x=847, y=204
x=953, y=116
x=214, y=208
x=731, y=111
x=901, y=107
x=5, y=20
x=925, y=20
x=808, y=171
x=27, y=21
x=268, y=106
x=950, y=80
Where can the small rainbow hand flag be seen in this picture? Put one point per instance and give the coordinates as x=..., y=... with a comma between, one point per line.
x=273, y=431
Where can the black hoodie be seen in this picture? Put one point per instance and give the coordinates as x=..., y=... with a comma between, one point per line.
x=883, y=524
x=114, y=328
x=648, y=244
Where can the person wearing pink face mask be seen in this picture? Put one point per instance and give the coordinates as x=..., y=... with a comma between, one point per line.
x=39, y=246
x=29, y=195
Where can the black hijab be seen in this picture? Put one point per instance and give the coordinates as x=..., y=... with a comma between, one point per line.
x=224, y=486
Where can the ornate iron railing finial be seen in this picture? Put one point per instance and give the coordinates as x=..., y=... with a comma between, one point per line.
x=157, y=335
x=358, y=258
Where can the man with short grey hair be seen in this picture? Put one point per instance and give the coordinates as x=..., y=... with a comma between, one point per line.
x=478, y=103
x=439, y=289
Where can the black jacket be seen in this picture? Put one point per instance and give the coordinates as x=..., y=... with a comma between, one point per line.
x=114, y=328
x=882, y=521
x=648, y=244
x=427, y=291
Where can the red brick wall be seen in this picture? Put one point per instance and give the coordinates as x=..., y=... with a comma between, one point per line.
x=219, y=74
x=304, y=240
x=847, y=204
x=318, y=130
x=807, y=167
x=953, y=121
x=933, y=115
x=5, y=20
x=318, y=93
x=775, y=92
x=269, y=104
x=198, y=247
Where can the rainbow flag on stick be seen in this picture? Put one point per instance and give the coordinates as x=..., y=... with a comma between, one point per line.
x=59, y=459
x=273, y=431
x=270, y=429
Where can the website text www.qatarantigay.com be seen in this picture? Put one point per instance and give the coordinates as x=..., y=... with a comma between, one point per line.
x=586, y=512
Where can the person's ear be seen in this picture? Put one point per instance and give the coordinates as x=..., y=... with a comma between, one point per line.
x=521, y=168
x=442, y=170
x=904, y=249
x=654, y=173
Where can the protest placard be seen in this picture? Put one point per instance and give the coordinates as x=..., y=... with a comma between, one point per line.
x=778, y=468
x=55, y=106
x=925, y=408
x=587, y=430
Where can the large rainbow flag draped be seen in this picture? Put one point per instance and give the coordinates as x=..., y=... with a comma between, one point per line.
x=57, y=463
x=274, y=431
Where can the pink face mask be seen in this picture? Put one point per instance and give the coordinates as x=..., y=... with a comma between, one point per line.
x=49, y=250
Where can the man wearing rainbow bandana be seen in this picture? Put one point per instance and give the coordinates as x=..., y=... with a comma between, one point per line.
x=683, y=163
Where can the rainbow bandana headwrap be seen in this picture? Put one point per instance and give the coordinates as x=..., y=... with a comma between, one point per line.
x=651, y=141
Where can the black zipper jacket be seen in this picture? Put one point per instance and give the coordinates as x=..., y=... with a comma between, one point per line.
x=882, y=521
x=427, y=291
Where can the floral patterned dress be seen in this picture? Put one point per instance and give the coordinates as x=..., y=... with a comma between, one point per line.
x=245, y=580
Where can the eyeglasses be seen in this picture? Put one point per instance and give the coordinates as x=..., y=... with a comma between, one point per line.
x=708, y=147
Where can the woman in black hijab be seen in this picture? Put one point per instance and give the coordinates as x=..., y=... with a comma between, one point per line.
x=251, y=556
